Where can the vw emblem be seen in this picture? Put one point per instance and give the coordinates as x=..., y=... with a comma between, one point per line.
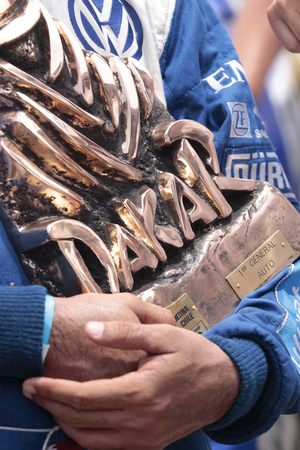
x=107, y=26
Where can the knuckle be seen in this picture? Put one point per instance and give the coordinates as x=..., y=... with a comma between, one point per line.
x=123, y=331
x=86, y=440
x=74, y=419
x=80, y=401
x=143, y=398
x=169, y=316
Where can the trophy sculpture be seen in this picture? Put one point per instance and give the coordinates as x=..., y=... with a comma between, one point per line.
x=103, y=191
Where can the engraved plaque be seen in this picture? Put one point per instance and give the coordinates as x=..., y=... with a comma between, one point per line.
x=187, y=315
x=260, y=265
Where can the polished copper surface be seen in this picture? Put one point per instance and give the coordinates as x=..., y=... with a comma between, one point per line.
x=119, y=240
x=144, y=84
x=20, y=23
x=167, y=133
x=172, y=190
x=6, y=7
x=221, y=249
x=77, y=63
x=234, y=184
x=190, y=167
x=26, y=130
x=22, y=171
x=84, y=137
x=107, y=85
x=74, y=258
x=140, y=220
x=56, y=53
x=99, y=160
x=16, y=77
x=130, y=106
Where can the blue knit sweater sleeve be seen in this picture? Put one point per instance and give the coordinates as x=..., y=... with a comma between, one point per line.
x=270, y=370
x=21, y=330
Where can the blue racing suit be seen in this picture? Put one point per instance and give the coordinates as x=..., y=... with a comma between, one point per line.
x=197, y=72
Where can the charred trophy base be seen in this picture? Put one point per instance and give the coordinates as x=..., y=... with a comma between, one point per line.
x=204, y=270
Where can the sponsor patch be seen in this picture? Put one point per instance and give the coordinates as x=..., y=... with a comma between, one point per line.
x=288, y=295
x=107, y=26
x=240, y=123
x=249, y=163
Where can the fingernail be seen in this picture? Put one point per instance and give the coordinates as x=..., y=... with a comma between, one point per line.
x=95, y=329
x=28, y=391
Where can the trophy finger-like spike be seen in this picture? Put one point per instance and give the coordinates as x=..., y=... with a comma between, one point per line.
x=168, y=132
x=98, y=159
x=21, y=24
x=119, y=240
x=86, y=281
x=27, y=131
x=172, y=190
x=22, y=170
x=107, y=84
x=56, y=61
x=8, y=8
x=18, y=78
x=72, y=229
x=141, y=220
x=192, y=170
x=234, y=184
x=77, y=63
x=130, y=104
x=168, y=236
x=144, y=84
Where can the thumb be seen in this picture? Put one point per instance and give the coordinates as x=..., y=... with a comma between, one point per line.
x=153, y=339
x=148, y=313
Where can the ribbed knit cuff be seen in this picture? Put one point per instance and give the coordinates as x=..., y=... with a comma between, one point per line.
x=21, y=330
x=252, y=365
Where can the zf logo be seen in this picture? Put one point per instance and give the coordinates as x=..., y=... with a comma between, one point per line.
x=240, y=123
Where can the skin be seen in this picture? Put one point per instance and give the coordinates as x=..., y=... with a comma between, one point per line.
x=183, y=382
x=255, y=42
x=73, y=356
x=284, y=17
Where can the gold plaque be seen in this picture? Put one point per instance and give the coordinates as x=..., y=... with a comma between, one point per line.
x=260, y=265
x=187, y=315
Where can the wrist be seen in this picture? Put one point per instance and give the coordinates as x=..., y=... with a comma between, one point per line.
x=48, y=322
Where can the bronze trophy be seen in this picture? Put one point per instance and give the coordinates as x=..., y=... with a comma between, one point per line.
x=102, y=191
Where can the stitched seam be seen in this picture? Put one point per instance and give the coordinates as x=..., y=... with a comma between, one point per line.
x=280, y=327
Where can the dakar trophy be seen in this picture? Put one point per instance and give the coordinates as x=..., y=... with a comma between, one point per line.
x=103, y=191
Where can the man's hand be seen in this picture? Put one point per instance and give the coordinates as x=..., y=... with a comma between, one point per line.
x=183, y=383
x=73, y=356
x=284, y=17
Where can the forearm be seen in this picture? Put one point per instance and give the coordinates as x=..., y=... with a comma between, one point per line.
x=268, y=318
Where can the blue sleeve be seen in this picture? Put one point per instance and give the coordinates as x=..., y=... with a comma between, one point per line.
x=270, y=317
x=204, y=81
x=21, y=317
x=21, y=331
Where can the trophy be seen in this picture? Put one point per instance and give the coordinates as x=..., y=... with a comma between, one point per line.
x=103, y=191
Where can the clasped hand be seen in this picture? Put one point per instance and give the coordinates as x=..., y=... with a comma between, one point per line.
x=182, y=383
